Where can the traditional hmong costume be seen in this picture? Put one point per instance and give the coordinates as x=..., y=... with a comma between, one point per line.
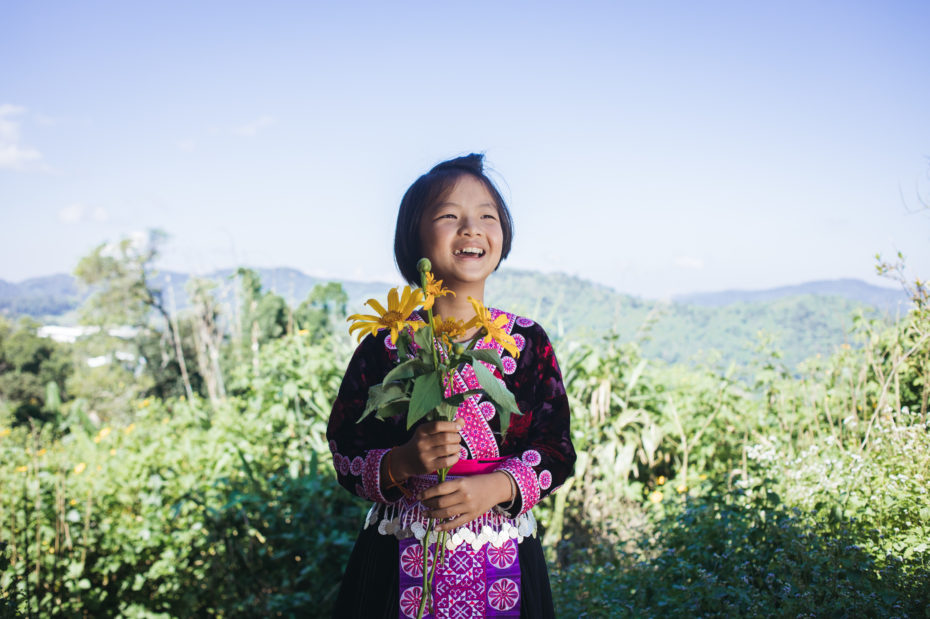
x=493, y=566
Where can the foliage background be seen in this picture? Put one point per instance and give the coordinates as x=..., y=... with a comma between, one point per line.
x=188, y=473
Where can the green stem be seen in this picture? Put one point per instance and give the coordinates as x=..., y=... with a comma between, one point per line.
x=429, y=313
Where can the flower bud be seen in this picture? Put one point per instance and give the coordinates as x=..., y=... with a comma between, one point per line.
x=424, y=265
x=458, y=349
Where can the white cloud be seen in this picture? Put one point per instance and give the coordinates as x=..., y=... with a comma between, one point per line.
x=13, y=154
x=80, y=213
x=689, y=262
x=252, y=129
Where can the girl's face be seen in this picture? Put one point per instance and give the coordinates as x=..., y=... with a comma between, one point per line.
x=462, y=235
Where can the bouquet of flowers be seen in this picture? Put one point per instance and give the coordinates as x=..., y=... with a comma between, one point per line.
x=420, y=385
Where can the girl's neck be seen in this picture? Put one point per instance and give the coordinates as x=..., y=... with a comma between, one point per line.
x=458, y=306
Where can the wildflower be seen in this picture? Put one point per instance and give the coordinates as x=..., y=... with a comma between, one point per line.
x=80, y=468
x=657, y=496
x=303, y=332
x=449, y=329
x=702, y=476
x=113, y=451
x=72, y=502
x=128, y=429
x=682, y=489
x=104, y=432
x=4, y=432
x=434, y=290
x=42, y=452
x=22, y=469
x=393, y=318
x=493, y=328
x=661, y=480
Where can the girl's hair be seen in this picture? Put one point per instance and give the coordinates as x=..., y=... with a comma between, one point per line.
x=429, y=190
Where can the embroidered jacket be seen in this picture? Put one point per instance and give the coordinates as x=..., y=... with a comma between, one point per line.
x=538, y=442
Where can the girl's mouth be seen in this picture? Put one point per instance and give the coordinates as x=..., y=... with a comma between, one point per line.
x=469, y=251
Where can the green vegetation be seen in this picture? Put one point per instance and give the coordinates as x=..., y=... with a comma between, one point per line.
x=189, y=474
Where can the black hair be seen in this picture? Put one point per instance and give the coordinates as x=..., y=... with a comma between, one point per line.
x=429, y=190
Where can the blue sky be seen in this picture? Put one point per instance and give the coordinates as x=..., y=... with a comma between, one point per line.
x=659, y=148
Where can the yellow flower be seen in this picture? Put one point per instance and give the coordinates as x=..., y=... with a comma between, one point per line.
x=449, y=329
x=656, y=497
x=104, y=432
x=22, y=469
x=80, y=468
x=661, y=480
x=303, y=332
x=682, y=489
x=113, y=451
x=702, y=476
x=4, y=432
x=128, y=429
x=41, y=452
x=393, y=318
x=434, y=290
x=493, y=328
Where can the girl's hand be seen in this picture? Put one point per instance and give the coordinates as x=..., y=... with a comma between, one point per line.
x=433, y=446
x=459, y=501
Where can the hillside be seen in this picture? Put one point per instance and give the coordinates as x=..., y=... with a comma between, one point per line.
x=801, y=321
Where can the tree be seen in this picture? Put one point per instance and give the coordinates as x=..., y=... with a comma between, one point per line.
x=120, y=276
x=321, y=310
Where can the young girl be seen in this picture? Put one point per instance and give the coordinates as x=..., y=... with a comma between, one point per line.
x=493, y=565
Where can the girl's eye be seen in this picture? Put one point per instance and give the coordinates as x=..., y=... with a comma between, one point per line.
x=489, y=217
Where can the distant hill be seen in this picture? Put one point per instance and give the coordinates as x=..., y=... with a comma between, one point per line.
x=888, y=299
x=801, y=321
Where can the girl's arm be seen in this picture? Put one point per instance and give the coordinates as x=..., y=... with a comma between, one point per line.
x=374, y=458
x=359, y=449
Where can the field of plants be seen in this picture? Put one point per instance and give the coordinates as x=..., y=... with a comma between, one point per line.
x=187, y=474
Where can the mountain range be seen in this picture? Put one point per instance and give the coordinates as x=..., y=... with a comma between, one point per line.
x=800, y=321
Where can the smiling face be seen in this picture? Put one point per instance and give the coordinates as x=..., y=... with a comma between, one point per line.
x=462, y=236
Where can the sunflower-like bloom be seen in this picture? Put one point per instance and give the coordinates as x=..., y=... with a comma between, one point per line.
x=493, y=328
x=393, y=318
x=434, y=290
x=448, y=330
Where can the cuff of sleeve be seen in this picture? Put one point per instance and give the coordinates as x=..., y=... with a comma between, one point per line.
x=371, y=476
x=527, y=484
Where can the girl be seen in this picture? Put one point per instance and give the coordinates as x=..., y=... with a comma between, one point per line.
x=494, y=565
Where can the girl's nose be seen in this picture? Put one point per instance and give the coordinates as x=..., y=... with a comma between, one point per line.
x=469, y=227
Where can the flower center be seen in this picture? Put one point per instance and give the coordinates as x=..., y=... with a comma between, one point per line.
x=391, y=317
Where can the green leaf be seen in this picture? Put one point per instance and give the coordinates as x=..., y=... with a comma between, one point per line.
x=424, y=338
x=382, y=395
x=407, y=369
x=426, y=396
x=458, y=398
x=392, y=409
x=447, y=411
x=488, y=355
x=498, y=394
x=403, y=343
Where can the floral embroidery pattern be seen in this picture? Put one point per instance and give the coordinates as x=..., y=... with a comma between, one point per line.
x=487, y=410
x=532, y=457
x=411, y=560
x=503, y=594
x=410, y=601
x=504, y=556
x=510, y=366
x=545, y=480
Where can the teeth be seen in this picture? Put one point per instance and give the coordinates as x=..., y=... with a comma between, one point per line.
x=469, y=250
